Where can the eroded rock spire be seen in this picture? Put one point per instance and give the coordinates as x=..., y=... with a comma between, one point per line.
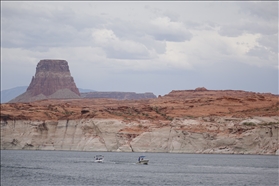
x=52, y=80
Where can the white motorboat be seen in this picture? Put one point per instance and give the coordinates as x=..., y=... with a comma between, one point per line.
x=99, y=158
x=142, y=160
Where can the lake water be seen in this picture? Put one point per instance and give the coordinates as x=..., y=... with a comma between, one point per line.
x=33, y=168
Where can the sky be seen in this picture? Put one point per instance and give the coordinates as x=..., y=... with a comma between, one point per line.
x=142, y=46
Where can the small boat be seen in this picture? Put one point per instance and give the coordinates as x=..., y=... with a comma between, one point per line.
x=99, y=158
x=142, y=160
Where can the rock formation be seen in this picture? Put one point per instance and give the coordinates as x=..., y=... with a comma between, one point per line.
x=189, y=121
x=118, y=95
x=52, y=80
x=200, y=89
x=257, y=135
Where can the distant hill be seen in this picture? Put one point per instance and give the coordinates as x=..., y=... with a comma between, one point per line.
x=118, y=95
x=85, y=90
x=9, y=94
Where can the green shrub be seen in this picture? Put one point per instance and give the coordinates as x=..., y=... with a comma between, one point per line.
x=249, y=124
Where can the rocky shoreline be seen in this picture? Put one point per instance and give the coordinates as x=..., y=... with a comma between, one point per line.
x=183, y=121
x=219, y=135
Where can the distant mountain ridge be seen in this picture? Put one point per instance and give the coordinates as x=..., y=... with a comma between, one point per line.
x=9, y=94
x=118, y=95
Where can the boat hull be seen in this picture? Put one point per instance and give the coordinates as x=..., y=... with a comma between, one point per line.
x=144, y=162
x=99, y=161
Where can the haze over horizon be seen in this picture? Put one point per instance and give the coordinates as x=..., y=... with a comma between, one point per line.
x=144, y=46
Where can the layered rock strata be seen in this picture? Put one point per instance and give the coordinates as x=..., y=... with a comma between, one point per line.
x=258, y=135
x=191, y=121
x=52, y=80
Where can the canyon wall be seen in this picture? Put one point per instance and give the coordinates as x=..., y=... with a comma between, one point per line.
x=189, y=121
x=257, y=135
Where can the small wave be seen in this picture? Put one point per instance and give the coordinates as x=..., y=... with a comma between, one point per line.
x=117, y=162
x=19, y=167
x=83, y=162
x=225, y=167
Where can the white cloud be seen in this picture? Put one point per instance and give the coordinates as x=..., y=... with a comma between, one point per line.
x=162, y=28
x=105, y=39
x=119, y=48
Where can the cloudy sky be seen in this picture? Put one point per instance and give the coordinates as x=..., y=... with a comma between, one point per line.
x=144, y=46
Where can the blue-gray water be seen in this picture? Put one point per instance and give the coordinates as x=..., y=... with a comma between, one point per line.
x=33, y=168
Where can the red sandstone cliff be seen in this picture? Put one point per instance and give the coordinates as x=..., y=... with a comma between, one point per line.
x=189, y=121
x=185, y=103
